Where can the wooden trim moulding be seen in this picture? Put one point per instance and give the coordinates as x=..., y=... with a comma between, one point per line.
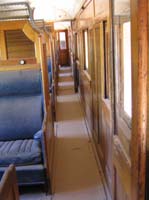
x=139, y=12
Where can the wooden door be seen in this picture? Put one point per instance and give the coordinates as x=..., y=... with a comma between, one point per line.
x=130, y=67
x=123, y=100
x=102, y=100
x=63, y=47
x=94, y=86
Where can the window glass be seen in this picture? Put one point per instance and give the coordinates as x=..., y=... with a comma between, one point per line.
x=86, y=49
x=63, y=40
x=106, y=69
x=127, y=68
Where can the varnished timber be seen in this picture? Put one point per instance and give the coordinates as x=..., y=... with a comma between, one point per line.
x=19, y=67
x=8, y=185
x=30, y=33
x=44, y=70
x=140, y=97
x=3, y=49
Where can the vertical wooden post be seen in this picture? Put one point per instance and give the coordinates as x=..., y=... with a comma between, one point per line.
x=44, y=70
x=139, y=77
x=3, y=49
x=37, y=48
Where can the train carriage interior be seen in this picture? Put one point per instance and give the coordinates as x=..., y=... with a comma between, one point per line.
x=74, y=100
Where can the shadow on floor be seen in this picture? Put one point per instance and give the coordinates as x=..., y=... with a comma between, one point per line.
x=36, y=192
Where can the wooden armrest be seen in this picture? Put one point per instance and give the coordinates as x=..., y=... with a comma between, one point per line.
x=8, y=185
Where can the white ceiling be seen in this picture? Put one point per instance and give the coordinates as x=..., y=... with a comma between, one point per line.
x=54, y=10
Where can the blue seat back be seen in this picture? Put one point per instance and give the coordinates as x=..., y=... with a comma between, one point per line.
x=49, y=63
x=21, y=112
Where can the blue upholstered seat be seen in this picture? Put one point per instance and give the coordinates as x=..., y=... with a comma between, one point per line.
x=21, y=117
x=20, y=152
x=49, y=63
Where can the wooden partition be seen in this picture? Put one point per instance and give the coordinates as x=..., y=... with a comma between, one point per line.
x=8, y=185
x=18, y=41
x=140, y=98
x=48, y=121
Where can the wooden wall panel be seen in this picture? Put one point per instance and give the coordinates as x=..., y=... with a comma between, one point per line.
x=18, y=45
x=97, y=107
x=101, y=8
x=139, y=97
x=120, y=193
x=87, y=16
x=106, y=142
x=3, y=50
x=123, y=165
x=86, y=94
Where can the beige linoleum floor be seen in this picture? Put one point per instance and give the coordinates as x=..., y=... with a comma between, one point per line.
x=76, y=174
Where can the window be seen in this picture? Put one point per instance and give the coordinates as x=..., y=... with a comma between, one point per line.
x=106, y=68
x=75, y=45
x=86, y=50
x=126, y=49
x=62, y=36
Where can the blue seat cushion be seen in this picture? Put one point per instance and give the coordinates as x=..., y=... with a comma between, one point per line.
x=49, y=63
x=29, y=174
x=20, y=152
x=20, y=117
x=50, y=78
x=20, y=82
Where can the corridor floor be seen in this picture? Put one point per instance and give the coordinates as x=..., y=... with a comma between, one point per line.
x=76, y=175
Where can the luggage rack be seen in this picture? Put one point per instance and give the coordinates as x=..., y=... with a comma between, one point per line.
x=15, y=11
x=41, y=25
x=18, y=11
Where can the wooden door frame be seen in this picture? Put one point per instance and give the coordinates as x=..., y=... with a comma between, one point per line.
x=139, y=31
x=139, y=10
x=67, y=45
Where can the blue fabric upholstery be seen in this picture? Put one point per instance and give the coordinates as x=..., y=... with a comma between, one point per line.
x=20, y=82
x=49, y=63
x=38, y=135
x=20, y=152
x=50, y=78
x=21, y=117
x=29, y=174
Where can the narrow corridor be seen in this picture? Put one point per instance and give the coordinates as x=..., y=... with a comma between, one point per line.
x=76, y=174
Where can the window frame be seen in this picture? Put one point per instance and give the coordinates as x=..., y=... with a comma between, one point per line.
x=63, y=49
x=86, y=51
x=106, y=69
x=123, y=113
x=120, y=68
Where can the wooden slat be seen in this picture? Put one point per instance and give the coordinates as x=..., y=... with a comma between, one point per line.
x=44, y=70
x=3, y=50
x=37, y=48
x=18, y=45
x=12, y=25
x=122, y=164
x=16, y=61
x=29, y=32
x=140, y=97
x=19, y=67
x=8, y=185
